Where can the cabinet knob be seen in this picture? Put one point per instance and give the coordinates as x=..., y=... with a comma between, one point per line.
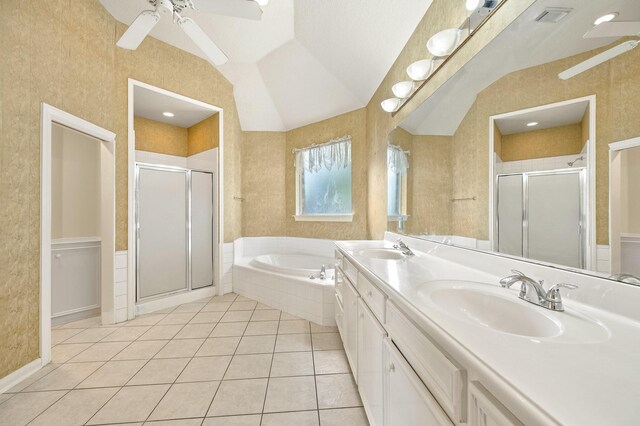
x=392, y=367
x=369, y=293
x=58, y=256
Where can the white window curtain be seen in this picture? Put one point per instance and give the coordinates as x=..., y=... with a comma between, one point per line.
x=335, y=153
x=397, y=161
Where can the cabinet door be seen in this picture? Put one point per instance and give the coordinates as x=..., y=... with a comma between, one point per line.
x=350, y=323
x=486, y=410
x=406, y=401
x=370, y=367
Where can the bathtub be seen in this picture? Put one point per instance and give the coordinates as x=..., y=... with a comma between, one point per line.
x=299, y=265
x=277, y=271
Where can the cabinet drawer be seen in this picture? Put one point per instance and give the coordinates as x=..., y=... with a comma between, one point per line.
x=339, y=283
x=338, y=257
x=350, y=271
x=372, y=296
x=340, y=316
x=445, y=379
x=486, y=410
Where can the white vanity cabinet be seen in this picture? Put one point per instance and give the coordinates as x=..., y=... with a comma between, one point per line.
x=486, y=410
x=350, y=325
x=370, y=364
x=407, y=401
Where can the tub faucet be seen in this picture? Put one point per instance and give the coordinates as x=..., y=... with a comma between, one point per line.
x=323, y=273
x=400, y=245
x=533, y=291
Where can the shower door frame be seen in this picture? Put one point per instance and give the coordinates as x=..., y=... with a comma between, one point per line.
x=188, y=230
x=590, y=195
x=582, y=214
x=219, y=285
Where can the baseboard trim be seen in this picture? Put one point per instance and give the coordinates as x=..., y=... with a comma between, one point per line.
x=12, y=379
x=178, y=299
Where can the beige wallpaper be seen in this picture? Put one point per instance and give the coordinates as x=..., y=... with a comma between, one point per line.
x=552, y=142
x=354, y=124
x=70, y=60
x=163, y=138
x=263, y=184
x=204, y=135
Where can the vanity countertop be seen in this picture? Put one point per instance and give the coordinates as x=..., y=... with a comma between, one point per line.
x=593, y=380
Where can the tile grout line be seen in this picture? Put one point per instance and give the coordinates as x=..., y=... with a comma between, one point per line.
x=315, y=374
x=273, y=355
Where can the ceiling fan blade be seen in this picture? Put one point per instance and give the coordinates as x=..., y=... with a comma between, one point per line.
x=248, y=9
x=614, y=29
x=201, y=39
x=598, y=59
x=138, y=30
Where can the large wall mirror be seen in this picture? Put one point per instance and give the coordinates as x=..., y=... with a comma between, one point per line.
x=512, y=154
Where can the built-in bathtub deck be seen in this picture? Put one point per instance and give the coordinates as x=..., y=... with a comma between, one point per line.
x=312, y=299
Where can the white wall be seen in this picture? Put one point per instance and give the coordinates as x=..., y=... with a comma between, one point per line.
x=75, y=174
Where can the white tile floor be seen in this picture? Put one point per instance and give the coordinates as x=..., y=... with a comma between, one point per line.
x=225, y=361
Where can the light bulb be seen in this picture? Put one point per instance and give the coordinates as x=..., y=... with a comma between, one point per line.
x=472, y=5
x=391, y=104
x=403, y=89
x=262, y=3
x=444, y=42
x=605, y=18
x=420, y=70
x=168, y=114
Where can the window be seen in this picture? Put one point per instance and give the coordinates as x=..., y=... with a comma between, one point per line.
x=397, y=165
x=323, y=176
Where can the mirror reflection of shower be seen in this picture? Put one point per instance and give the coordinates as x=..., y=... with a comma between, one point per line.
x=571, y=163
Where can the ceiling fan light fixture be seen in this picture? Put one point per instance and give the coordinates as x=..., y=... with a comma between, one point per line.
x=391, y=104
x=605, y=18
x=215, y=55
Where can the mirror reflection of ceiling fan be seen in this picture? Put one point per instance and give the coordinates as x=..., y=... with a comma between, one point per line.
x=606, y=28
x=147, y=19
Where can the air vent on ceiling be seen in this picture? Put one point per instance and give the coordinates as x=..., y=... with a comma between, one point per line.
x=553, y=15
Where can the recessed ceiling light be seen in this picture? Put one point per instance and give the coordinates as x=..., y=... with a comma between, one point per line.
x=533, y=123
x=605, y=18
x=168, y=114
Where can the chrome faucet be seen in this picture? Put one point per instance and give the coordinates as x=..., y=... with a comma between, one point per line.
x=626, y=278
x=323, y=272
x=400, y=245
x=533, y=291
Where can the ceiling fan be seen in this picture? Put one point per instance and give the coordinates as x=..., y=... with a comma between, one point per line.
x=147, y=19
x=606, y=29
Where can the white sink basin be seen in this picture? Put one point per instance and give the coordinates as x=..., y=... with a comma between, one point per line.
x=495, y=312
x=500, y=310
x=380, y=253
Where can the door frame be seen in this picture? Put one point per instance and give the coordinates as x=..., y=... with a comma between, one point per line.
x=615, y=149
x=131, y=166
x=49, y=116
x=590, y=214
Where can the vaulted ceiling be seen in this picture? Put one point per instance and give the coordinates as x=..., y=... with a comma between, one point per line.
x=305, y=61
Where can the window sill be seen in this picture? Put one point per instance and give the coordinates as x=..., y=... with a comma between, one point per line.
x=323, y=217
x=395, y=218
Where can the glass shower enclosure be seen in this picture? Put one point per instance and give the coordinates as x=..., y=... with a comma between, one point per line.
x=175, y=230
x=541, y=216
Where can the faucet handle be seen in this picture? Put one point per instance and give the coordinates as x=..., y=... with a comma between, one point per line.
x=553, y=296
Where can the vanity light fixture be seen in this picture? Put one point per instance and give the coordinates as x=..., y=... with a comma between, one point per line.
x=420, y=70
x=391, y=104
x=444, y=42
x=473, y=5
x=168, y=114
x=403, y=89
x=605, y=18
x=533, y=123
